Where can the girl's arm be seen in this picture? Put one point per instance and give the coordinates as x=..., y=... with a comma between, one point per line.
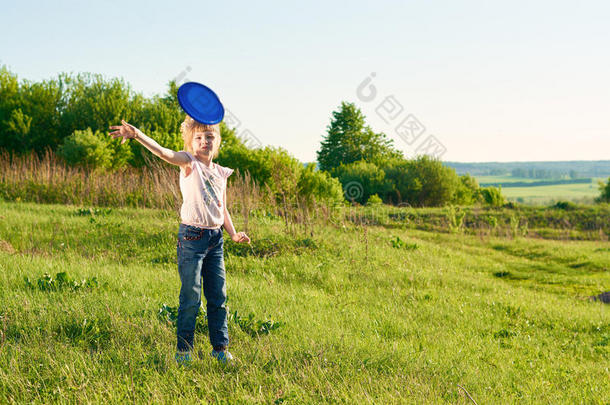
x=228, y=225
x=128, y=131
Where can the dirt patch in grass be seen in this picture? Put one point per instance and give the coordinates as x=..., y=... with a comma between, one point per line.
x=6, y=247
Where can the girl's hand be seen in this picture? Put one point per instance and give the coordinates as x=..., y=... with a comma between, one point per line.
x=240, y=237
x=126, y=131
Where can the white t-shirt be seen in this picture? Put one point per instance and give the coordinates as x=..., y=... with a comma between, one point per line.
x=203, y=194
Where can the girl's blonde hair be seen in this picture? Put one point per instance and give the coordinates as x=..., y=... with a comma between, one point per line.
x=188, y=128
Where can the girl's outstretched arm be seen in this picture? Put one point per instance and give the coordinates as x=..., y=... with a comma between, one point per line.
x=128, y=131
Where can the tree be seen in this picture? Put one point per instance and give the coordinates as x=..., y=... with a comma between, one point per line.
x=604, y=191
x=404, y=185
x=9, y=102
x=93, y=102
x=41, y=101
x=29, y=118
x=17, y=130
x=349, y=140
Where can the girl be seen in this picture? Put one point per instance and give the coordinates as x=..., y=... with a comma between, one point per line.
x=203, y=215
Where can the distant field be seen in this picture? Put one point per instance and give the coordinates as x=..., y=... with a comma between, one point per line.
x=503, y=179
x=544, y=194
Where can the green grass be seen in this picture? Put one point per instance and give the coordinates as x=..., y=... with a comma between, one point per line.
x=504, y=179
x=546, y=194
x=383, y=316
x=541, y=195
x=573, y=221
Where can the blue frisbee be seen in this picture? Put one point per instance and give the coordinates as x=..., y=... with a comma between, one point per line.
x=201, y=103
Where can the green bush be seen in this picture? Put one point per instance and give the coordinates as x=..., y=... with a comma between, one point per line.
x=422, y=182
x=374, y=200
x=86, y=149
x=604, y=189
x=492, y=196
x=319, y=185
x=282, y=172
x=565, y=205
x=94, y=150
x=361, y=179
x=466, y=191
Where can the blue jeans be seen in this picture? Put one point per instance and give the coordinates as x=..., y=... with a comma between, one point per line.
x=201, y=262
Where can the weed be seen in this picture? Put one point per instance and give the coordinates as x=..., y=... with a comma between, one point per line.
x=252, y=326
x=61, y=282
x=400, y=244
x=504, y=333
x=94, y=211
x=169, y=315
x=455, y=219
x=92, y=333
x=565, y=205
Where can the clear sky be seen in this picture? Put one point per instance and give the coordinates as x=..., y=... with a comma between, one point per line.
x=489, y=80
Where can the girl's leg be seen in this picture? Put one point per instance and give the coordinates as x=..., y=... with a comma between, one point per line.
x=191, y=248
x=214, y=289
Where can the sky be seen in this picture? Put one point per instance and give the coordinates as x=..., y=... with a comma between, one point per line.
x=468, y=81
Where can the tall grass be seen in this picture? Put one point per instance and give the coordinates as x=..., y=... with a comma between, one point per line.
x=48, y=179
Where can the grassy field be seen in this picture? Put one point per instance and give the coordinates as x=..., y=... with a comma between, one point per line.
x=547, y=194
x=542, y=195
x=367, y=314
x=503, y=179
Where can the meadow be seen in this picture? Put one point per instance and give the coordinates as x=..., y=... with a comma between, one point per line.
x=540, y=195
x=545, y=195
x=367, y=311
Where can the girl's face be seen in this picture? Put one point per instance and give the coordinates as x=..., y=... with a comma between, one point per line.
x=205, y=142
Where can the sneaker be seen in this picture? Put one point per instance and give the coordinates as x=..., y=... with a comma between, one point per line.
x=223, y=356
x=183, y=358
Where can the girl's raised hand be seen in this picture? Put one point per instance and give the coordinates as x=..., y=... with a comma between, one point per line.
x=240, y=237
x=126, y=131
